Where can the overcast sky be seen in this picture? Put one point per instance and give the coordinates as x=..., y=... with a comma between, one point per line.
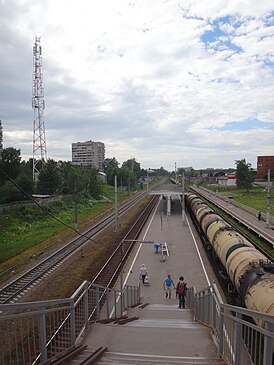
x=162, y=81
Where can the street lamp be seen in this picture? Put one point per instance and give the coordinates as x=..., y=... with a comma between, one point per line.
x=183, y=196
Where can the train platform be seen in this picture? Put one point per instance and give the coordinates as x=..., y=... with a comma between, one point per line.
x=162, y=333
x=247, y=216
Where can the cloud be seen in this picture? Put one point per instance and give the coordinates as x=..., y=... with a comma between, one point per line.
x=162, y=81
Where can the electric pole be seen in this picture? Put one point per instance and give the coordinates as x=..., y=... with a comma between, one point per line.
x=183, y=197
x=116, y=205
x=38, y=106
x=268, y=199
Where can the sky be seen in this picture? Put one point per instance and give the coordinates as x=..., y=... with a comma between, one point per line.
x=167, y=82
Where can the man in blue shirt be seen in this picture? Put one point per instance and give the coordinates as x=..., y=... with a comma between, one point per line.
x=167, y=285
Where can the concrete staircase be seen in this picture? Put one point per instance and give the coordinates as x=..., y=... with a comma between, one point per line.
x=112, y=358
x=160, y=334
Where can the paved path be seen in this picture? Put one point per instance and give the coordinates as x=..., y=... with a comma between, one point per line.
x=243, y=215
x=163, y=333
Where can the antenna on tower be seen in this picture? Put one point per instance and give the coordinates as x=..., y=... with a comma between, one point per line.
x=38, y=105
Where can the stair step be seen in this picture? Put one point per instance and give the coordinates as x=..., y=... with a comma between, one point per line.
x=114, y=358
x=80, y=358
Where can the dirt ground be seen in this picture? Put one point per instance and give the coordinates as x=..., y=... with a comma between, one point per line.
x=85, y=263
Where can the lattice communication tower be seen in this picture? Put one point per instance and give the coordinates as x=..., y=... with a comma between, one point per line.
x=38, y=105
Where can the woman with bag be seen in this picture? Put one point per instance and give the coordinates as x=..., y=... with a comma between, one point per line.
x=143, y=273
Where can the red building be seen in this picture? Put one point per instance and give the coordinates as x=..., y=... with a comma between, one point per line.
x=264, y=163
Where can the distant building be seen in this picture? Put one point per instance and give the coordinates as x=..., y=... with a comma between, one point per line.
x=88, y=153
x=228, y=180
x=186, y=169
x=1, y=136
x=264, y=163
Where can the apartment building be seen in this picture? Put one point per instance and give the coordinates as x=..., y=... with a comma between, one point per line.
x=88, y=153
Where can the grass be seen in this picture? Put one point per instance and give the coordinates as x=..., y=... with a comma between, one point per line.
x=27, y=230
x=256, y=198
x=244, y=230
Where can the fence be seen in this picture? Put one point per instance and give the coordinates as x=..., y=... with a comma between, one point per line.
x=246, y=208
x=33, y=333
x=239, y=338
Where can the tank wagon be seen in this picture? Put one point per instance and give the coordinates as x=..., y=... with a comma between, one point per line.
x=250, y=271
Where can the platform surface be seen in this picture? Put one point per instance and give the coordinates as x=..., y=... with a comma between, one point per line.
x=163, y=333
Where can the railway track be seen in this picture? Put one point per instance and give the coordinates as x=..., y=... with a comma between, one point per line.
x=60, y=328
x=107, y=276
x=110, y=271
x=13, y=290
x=266, y=238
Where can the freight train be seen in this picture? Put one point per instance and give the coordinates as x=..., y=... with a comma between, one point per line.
x=249, y=270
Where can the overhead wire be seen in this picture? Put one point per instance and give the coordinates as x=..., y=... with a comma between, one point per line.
x=45, y=210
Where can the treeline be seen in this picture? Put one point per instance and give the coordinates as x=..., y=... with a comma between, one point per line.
x=130, y=173
x=16, y=177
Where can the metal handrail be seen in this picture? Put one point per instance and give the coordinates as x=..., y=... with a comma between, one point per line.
x=35, y=332
x=243, y=336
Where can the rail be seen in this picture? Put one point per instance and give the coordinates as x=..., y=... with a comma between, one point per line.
x=33, y=333
x=56, y=326
x=209, y=195
x=12, y=290
x=240, y=340
x=251, y=227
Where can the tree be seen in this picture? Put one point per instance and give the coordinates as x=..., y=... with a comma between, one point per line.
x=127, y=176
x=25, y=181
x=10, y=163
x=133, y=166
x=111, y=168
x=244, y=174
x=67, y=173
x=49, y=181
x=93, y=183
x=9, y=193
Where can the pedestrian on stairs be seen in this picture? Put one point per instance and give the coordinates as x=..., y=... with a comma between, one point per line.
x=181, y=292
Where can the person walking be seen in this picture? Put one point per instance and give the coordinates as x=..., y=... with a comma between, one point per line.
x=143, y=273
x=156, y=247
x=167, y=285
x=181, y=292
x=259, y=216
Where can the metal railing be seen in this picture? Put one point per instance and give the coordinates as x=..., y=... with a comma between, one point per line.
x=243, y=336
x=35, y=332
x=237, y=204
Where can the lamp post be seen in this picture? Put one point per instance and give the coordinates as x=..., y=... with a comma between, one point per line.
x=75, y=202
x=183, y=197
x=116, y=205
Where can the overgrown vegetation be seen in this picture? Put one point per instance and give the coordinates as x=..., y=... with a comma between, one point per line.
x=78, y=192
x=28, y=230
